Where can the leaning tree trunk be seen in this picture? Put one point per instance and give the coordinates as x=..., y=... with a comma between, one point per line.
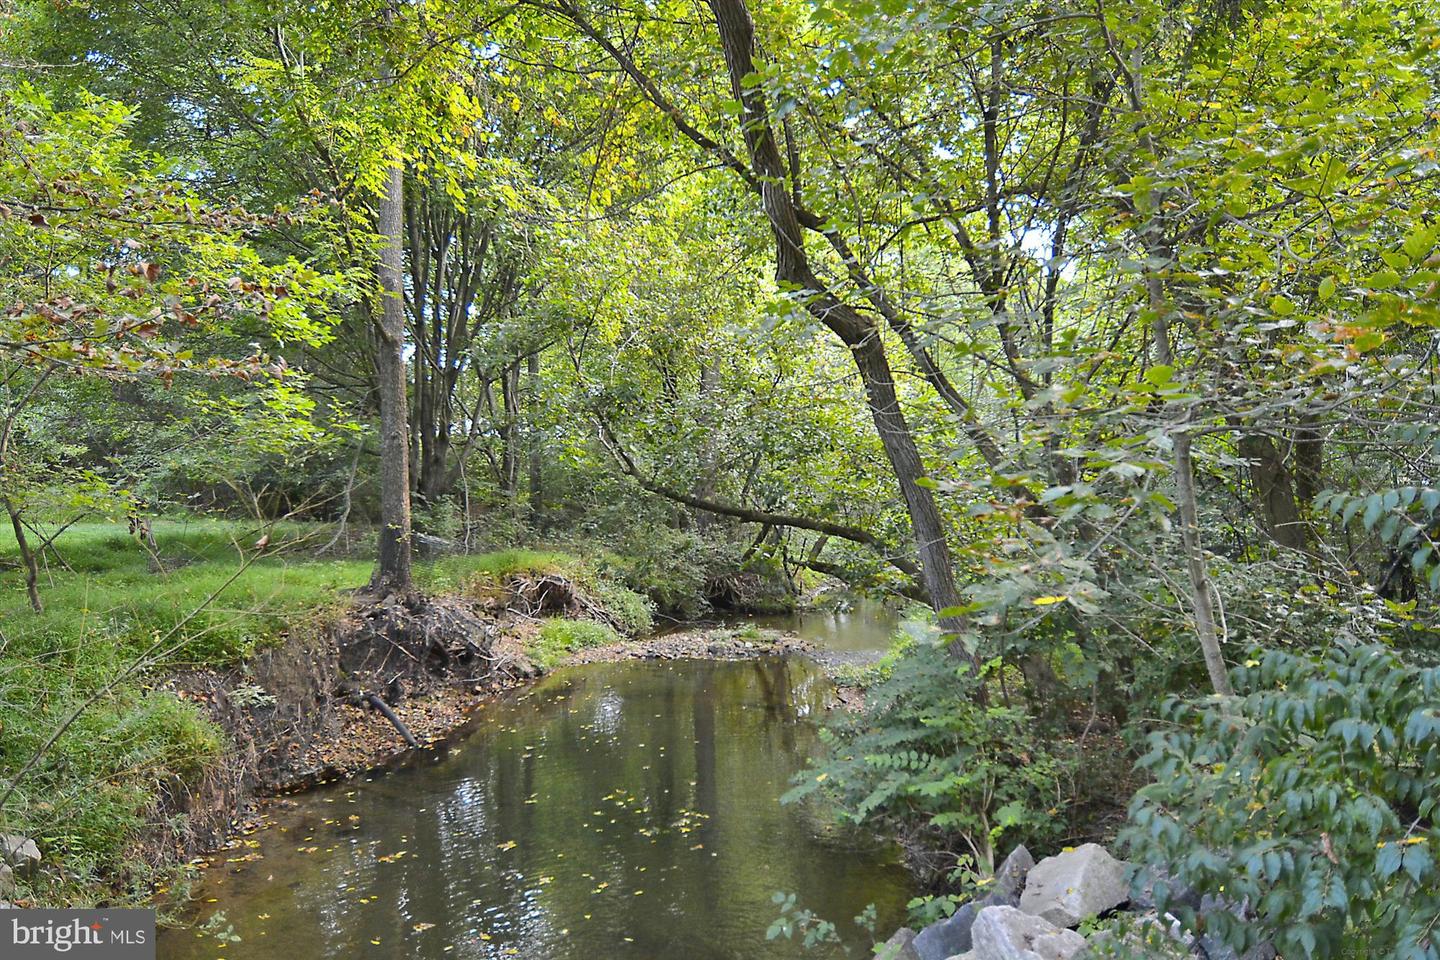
x=1202, y=592
x=792, y=267
x=1202, y=595
x=27, y=556
x=392, y=572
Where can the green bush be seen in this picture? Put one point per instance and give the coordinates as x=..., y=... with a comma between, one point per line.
x=559, y=637
x=1312, y=798
x=633, y=613
x=925, y=754
x=671, y=567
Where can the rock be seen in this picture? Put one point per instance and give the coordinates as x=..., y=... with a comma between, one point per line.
x=1209, y=949
x=950, y=936
x=898, y=947
x=20, y=853
x=1153, y=883
x=1007, y=933
x=1212, y=949
x=1144, y=935
x=7, y=880
x=430, y=546
x=1010, y=877
x=1076, y=885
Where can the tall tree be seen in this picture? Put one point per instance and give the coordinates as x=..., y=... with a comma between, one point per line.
x=393, y=566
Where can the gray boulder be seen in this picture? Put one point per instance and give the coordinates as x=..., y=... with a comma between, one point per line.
x=1152, y=884
x=1076, y=885
x=1212, y=949
x=951, y=936
x=898, y=947
x=7, y=880
x=19, y=852
x=1010, y=877
x=1007, y=933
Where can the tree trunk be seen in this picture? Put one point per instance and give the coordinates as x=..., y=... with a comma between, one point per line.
x=392, y=573
x=27, y=556
x=1202, y=597
x=1274, y=491
x=510, y=431
x=1309, y=456
x=792, y=268
x=533, y=453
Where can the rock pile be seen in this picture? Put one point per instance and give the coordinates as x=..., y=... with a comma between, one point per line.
x=19, y=857
x=1031, y=912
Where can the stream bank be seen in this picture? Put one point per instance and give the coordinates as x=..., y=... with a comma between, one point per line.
x=302, y=714
x=624, y=808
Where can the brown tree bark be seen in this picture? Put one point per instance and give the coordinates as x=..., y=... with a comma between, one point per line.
x=393, y=569
x=1274, y=490
x=27, y=557
x=855, y=330
x=1309, y=457
x=533, y=453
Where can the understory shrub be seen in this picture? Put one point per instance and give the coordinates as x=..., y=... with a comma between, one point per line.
x=926, y=755
x=1311, y=798
x=560, y=637
x=633, y=613
x=669, y=566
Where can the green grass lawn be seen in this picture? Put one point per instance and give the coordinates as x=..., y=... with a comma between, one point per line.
x=106, y=605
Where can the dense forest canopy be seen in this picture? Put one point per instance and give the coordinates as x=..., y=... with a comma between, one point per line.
x=1104, y=332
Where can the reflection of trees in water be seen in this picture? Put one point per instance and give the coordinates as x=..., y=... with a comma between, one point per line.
x=707, y=790
x=737, y=730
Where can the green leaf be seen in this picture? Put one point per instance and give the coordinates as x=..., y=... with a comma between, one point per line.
x=1383, y=279
x=1281, y=306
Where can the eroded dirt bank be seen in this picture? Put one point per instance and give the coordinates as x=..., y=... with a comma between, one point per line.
x=312, y=709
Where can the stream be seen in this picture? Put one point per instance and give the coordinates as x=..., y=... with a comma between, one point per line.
x=614, y=811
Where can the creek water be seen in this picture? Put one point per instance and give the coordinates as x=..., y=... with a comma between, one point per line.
x=863, y=627
x=618, y=811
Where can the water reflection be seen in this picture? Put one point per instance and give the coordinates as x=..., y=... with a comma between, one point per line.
x=861, y=626
x=621, y=811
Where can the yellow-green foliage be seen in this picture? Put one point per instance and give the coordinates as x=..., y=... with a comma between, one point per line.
x=479, y=575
